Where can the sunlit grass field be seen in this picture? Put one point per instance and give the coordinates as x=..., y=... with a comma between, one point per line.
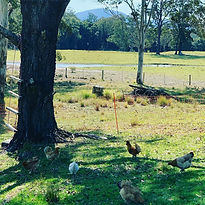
x=165, y=129
x=115, y=57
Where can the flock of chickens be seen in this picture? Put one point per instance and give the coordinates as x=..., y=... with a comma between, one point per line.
x=128, y=192
x=131, y=194
x=51, y=155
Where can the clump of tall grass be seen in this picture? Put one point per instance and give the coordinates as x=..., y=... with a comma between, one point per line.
x=142, y=101
x=82, y=104
x=108, y=95
x=130, y=100
x=97, y=107
x=84, y=94
x=120, y=97
x=163, y=101
x=72, y=99
x=134, y=122
x=51, y=194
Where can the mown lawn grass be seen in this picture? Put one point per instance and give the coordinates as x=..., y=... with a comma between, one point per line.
x=115, y=57
x=163, y=133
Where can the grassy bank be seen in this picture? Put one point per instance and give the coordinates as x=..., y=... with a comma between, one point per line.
x=113, y=57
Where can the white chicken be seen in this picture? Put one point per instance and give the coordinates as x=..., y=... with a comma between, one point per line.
x=183, y=162
x=73, y=168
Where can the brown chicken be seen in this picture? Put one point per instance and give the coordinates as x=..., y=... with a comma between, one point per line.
x=133, y=150
x=50, y=153
x=31, y=164
x=182, y=162
x=129, y=193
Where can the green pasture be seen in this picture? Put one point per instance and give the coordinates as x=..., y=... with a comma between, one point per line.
x=114, y=57
x=164, y=128
x=163, y=132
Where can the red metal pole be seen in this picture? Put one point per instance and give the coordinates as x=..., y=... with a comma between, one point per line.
x=116, y=115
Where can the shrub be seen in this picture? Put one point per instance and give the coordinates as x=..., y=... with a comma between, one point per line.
x=59, y=56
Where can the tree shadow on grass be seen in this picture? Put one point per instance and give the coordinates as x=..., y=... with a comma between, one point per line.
x=102, y=164
x=66, y=86
x=187, y=95
x=184, y=57
x=148, y=173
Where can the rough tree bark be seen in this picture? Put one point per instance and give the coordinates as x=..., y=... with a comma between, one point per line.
x=142, y=19
x=3, y=51
x=162, y=9
x=36, y=120
x=141, y=45
x=159, y=28
x=143, y=24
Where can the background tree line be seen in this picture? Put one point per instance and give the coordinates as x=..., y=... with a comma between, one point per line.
x=178, y=29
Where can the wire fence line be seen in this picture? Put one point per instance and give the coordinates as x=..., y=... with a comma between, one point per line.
x=149, y=78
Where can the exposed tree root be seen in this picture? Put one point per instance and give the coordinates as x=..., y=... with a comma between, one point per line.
x=62, y=135
x=59, y=136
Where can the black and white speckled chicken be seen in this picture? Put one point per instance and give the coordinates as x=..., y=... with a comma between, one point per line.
x=183, y=162
x=50, y=153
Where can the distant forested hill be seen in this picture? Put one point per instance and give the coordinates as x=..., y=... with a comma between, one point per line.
x=99, y=13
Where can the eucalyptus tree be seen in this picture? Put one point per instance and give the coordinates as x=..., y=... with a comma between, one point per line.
x=3, y=51
x=182, y=15
x=162, y=8
x=37, y=43
x=141, y=13
x=120, y=34
x=198, y=19
x=6, y=9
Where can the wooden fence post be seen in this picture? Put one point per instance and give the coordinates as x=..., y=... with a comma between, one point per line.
x=189, y=79
x=103, y=75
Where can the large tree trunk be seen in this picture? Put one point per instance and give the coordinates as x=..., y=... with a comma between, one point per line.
x=141, y=44
x=36, y=121
x=3, y=51
x=159, y=31
x=140, y=64
x=180, y=45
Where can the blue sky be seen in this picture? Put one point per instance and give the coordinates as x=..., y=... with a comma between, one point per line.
x=82, y=5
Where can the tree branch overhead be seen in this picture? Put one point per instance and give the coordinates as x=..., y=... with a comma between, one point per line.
x=15, y=39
